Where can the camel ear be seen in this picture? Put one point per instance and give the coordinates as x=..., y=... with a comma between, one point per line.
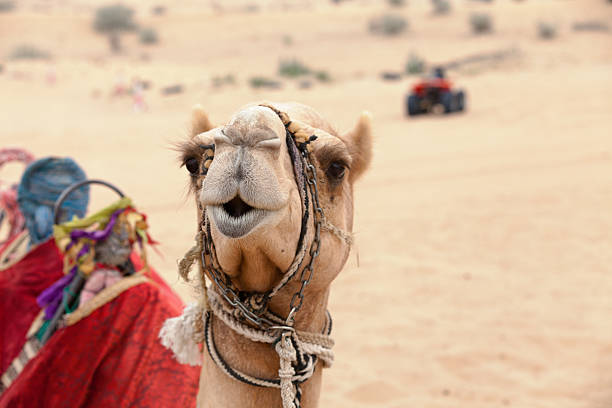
x=199, y=121
x=359, y=141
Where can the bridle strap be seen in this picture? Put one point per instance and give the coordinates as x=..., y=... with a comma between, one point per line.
x=300, y=180
x=298, y=152
x=298, y=353
x=309, y=347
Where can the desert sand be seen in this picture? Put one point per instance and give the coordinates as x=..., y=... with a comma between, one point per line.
x=482, y=270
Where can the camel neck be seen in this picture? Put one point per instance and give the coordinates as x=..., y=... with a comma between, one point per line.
x=311, y=317
x=260, y=360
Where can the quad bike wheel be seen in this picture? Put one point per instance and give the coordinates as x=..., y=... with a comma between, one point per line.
x=446, y=99
x=460, y=101
x=412, y=105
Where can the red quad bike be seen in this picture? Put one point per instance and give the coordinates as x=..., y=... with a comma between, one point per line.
x=434, y=94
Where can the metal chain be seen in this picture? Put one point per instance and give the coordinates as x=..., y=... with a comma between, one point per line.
x=232, y=295
x=227, y=291
x=307, y=272
x=222, y=281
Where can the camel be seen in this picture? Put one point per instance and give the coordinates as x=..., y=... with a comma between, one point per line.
x=261, y=233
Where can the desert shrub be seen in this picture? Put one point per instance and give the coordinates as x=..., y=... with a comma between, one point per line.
x=263, y=82
x=591, y=25
x=390, y=76
x=481, y=23
x=415, y=65
x=252, y=8
x=305, y=84
x=148, y=36
x=6, y=6
x=292, y=68
x=441, y=6
x=172, y=90
x=322, y=76
x=113, y=20
x=221, y=80
x=547, y=30
x=27, y=51
x=397, y=3
x=158, y=10
x=287, y=40
x=388, y=24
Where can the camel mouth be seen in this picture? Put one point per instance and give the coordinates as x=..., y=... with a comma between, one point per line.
x=236, y=207
x=235, y=218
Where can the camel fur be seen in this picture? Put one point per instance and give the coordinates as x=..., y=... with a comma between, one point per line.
x=252, y=199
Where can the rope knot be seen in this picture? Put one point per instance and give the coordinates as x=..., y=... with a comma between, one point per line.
x=258, y=303
x=287, y=355
x=285, y=349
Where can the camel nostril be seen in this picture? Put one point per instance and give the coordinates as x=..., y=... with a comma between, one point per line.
x=236, y=207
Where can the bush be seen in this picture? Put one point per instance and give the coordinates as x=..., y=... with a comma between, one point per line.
x=287, y=40
x=388, y=24
x=172, y=89
x=113, y=19
x=441, y=6
x=263, y=82
x=148, y=36
x=591, y=25
x=397, y=3
x=6, y=6
x=390, y=76
x=323, y=76
x=305, y=84
x=481, y=23
x=415, y=65
x=158, y=10
x=219, y=81
x=29, y=52
x=547, y=30
x=292, y=68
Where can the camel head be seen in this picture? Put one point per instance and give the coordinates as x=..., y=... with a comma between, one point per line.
x=252, y=196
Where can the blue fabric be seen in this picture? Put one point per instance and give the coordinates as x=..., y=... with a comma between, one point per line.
x=41, y=185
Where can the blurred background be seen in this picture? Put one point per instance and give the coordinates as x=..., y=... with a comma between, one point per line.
x=482, y=271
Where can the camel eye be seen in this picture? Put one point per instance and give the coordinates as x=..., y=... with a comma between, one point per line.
x=336, y=171
x=193, y=165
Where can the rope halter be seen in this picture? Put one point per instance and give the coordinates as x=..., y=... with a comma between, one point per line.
x=247, y=312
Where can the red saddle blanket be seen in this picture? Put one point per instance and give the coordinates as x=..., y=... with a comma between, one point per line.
x=112, y=358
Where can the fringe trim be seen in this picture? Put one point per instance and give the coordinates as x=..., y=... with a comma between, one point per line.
x=180, y=335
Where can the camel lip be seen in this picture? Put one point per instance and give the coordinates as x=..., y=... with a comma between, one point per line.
x=236, y=224
x=237, y=207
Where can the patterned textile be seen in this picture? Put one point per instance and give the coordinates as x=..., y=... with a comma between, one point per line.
x=20, y=284
x=9, y=210
x=28, y=352
x=9, y=154
x=112, y=358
